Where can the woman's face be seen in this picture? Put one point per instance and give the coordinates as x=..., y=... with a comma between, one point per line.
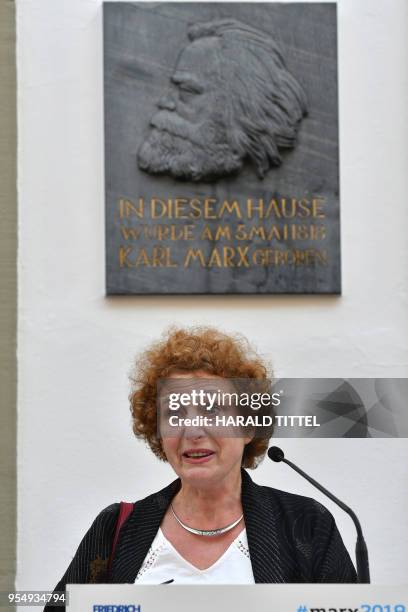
x=199, y=457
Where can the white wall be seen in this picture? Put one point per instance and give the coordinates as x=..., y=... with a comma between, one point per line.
x=76, y=453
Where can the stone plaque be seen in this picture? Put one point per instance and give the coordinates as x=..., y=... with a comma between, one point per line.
x=221, y=148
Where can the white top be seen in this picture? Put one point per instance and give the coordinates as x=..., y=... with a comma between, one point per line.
x=163, y=562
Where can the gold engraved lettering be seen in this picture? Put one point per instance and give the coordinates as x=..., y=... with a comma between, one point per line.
x=158, y=208
x=128, y=209
x=124, y=252
x=317, y=211
x=193, y=254
x=210, y=211
x=230, y=207
x=180, y=205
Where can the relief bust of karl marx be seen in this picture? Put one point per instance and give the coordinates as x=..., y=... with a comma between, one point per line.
x=231, y=101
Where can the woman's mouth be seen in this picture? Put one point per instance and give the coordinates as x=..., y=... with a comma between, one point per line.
x=198, y=455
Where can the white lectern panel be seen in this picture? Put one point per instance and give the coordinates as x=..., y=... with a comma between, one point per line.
x=238, y=598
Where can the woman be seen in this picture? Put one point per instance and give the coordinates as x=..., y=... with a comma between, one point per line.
x=213, y=524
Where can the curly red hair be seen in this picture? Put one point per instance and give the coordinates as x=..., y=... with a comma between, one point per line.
x=198, y=348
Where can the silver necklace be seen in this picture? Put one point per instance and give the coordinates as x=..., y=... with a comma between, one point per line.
x=206, y=532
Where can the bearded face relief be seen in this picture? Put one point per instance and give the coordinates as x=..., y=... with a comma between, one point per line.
x=231, y=100
x=188, y=134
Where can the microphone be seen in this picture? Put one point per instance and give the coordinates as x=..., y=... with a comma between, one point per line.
x=363, y=569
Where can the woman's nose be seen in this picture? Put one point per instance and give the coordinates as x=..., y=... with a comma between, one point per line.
x=167, y=103
x=194, y=432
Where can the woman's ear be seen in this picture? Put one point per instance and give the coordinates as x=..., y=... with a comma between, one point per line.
x=249, y=437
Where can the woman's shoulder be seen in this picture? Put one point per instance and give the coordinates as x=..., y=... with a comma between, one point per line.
x=104, y=524
x=111, y=509
x=290, y=504
x=160, y=498
x=108, y=513
x=289, y=499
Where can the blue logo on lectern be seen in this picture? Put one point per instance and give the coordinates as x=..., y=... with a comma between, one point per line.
x=116, y=608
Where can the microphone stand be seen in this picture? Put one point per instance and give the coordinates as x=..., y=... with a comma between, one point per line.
x=363, y=568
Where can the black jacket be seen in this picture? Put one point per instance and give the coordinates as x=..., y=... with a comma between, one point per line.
x=291, y=538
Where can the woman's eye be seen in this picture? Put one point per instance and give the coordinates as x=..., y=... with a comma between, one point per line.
x=214, y=409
